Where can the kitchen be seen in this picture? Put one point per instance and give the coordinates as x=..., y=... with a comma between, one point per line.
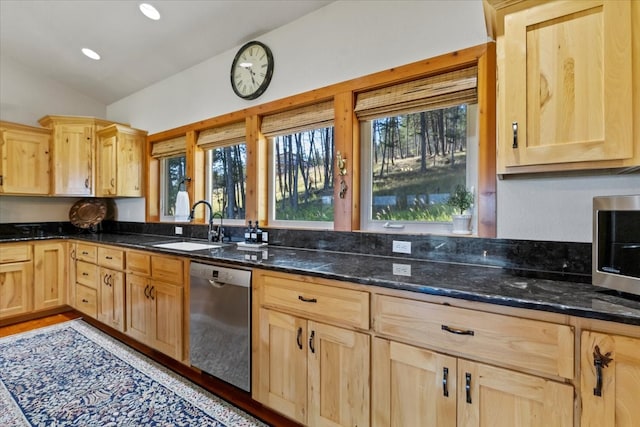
x=539, y=208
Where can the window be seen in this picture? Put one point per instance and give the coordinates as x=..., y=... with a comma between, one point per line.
x=172, y=159
x=172, y=172
x=226, y=170
x=301, y=166
x=419, y=140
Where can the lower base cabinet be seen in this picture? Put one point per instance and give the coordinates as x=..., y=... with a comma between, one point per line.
x=314, y=373
x=610, y=380
x=49, y=274
x=155, y=302
x=412, y=386
x=16, y=280
x=32, y=277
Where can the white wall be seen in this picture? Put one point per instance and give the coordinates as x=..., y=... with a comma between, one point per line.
x=341, y=41
x=26, y=96
x=555, y=208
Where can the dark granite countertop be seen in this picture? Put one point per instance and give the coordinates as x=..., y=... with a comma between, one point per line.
x=496, y=285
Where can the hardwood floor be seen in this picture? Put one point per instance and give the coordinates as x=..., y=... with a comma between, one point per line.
x=221, y=389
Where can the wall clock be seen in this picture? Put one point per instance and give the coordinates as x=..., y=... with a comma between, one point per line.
x=251, y=70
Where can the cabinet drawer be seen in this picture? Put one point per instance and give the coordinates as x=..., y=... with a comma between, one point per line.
x=87, y=274
x=111, y=258
x=503, y=340
x=87, y=300
x=315, y=301
x=15, y=253
x=87, y=253
x=139, y=263
x=168, y=270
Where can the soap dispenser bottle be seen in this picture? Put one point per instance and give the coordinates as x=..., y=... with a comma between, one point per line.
x=247, y=233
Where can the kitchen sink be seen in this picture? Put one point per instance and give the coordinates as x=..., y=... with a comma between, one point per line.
x=187, y=246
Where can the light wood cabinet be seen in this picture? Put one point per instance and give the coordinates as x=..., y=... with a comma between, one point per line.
x=444, y=363
x=120, y=161
x=314, y=372
x=610, y=379
x=99, y=283
x=111, y=299
x=566, y=87
x=24, y=159
x=50, y=274
x=16, y=279
x=412, y=386
x=73, y=153
x=155, y=303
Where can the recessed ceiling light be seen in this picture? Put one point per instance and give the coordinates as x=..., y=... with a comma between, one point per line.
x=149, y=11
x=90, y=53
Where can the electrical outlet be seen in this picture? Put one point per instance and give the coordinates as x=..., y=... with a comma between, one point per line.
x=178, y=230
x=402, y=269
x=401, y=247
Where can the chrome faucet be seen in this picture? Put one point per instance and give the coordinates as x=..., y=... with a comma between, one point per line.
x=214, y=233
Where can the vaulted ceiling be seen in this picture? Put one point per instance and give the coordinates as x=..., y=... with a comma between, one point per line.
x=47, y=36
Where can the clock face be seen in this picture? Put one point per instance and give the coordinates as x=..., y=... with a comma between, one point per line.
x=251, y=70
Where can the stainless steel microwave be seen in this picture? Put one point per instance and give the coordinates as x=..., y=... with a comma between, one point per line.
x=616, y=243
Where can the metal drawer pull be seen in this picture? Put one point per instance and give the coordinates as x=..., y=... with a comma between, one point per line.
x=108, y=257
x=445, y=378
x=467, y=386
x=85, y=274
x=457, y=331
x=514, y=126
x=298, y=338
x=313, y=334
x=146, y=291
x=301, y=298
x=153, y=288
x=600, y=361
x=84, y=300
x=85, y=253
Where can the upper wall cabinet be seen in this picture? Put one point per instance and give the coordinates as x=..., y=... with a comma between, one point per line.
x=120, y=161
x=73, y=153
x=565, y=87
x=24, y=166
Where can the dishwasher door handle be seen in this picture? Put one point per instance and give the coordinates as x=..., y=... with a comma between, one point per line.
x=216, y=284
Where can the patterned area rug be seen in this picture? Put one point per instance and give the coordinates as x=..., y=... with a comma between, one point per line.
x=71, y=374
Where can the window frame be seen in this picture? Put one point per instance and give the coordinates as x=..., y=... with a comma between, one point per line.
x=368, y=224
x=285, y=223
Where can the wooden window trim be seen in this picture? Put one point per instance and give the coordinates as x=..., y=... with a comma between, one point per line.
x=347, y=136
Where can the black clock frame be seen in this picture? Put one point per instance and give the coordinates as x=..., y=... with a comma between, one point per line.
x=267, y=80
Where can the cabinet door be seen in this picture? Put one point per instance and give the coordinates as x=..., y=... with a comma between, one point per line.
x=166, y=318
x=50, y=275
x=129, y=165
x=495, y=397
x=339, y=369
x=24, y=162
x=111, y=298
x=73, y=159
x=615, y=402
x=412, y=386
x=107, y=171
x=282, y=358
x=568, y=83
x=138, y=308
x=16, y=282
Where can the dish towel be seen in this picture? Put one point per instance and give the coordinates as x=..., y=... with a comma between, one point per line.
x=182, y=206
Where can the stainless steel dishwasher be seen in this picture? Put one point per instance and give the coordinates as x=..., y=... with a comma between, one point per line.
x=219, y=329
